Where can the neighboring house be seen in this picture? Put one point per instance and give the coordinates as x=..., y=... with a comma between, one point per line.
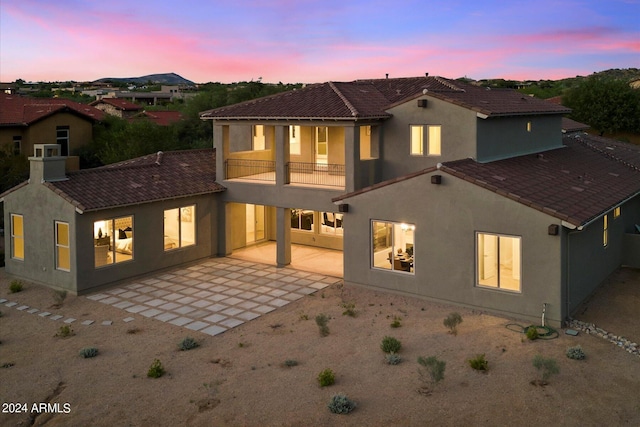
x=350, y=165
x=27, y=121
x=570, y=126
x=117, y=107
x=161, y=118
x=80, y=230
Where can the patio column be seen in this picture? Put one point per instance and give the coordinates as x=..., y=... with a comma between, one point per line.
x=283, y=236
x=282, y=154
x=352, y=158
x=218, y=144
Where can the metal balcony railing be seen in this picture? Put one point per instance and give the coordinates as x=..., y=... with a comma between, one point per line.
x=315, y=174
x=263, y=170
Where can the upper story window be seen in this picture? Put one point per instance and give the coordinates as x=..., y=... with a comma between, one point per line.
x=616, y=212
x=529, y=126
x=258, y=138
x=17, y=237
x=498, y=261
x=426, y=140
x=63, y=252
x=368, y=144
x=62, y=138
x=294, y=140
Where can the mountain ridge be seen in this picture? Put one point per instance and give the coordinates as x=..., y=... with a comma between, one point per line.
x=161, y=78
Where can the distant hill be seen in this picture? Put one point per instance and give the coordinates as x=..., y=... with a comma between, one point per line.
x=166, y=79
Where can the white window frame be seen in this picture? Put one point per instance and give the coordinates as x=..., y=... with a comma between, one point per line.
x=497, y=265
x=61, y=246
x=425, y=140
x=63, y=136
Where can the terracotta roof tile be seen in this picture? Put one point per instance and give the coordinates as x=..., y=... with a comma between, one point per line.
x=119, y=103
x=144, y=179
x=370, y=99
x=18, y=110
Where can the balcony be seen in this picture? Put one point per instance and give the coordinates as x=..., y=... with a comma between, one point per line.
x=298, y=173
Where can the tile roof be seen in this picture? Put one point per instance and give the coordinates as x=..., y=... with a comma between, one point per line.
x=141, y=180
x=18, y=110
x=120, y=104
x=161, y=118
x=370, y=99
x=570, y=125
x=577, y=183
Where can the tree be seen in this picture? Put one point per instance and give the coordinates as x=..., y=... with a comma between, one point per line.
x=607, y=105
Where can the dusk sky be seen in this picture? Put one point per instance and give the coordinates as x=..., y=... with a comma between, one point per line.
x=302, y=41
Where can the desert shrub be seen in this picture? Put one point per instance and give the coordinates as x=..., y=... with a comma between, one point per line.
x=322, y=320
x=452, y=321
x=290, y=363
x=575, y=353
x=65, y=331
x=59, y=297
x=479, y=363
x=397, y=322
x=390, y=345
x=532, y=333
x=393, y=358
x=188, y=344
x=89, y=352
x=156, y=370
x=341, y=404
x=16, y=286
x=431, y=369
x=349, y=309
x=326, y=378
x=547, y=366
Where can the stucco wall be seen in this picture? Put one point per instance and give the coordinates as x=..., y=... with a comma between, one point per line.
x=458, y=135
x=446, y=218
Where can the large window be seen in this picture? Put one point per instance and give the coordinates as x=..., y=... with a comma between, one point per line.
x=17, y=237
x=498, y=261
x=62, y=138
x=302, y=219
x=331, y=223
x=113, y=240
x=426, y=140
x=258, y=138
x=63, y=255
x=392, y=246
x=179, y=227
x=294, y=140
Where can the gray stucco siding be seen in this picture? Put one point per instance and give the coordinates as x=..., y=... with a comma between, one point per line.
x=446, y=218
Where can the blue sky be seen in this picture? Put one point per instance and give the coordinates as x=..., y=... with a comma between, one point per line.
x=308, y=41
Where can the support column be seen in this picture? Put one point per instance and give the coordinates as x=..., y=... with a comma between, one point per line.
x=218, y=144
x=352, y=158
x=224, y=235
x=282, y=154
x=283, y=236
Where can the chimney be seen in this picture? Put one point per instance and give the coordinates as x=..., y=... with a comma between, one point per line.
x=47, y=164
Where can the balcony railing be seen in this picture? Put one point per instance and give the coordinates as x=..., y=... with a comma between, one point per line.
x=262, y=170
x=315, y=174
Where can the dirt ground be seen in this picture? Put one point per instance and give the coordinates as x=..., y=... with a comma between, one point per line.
x=239, y=378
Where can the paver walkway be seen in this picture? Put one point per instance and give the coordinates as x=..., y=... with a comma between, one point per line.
x=214, y=295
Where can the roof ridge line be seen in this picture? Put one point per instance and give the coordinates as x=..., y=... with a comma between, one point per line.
x=448, y=84
x=605, y=153
x=354, y=111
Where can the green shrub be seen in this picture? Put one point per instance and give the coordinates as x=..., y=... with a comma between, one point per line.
x=16, y=286
x=341, y=404
x=65, y=331
x=187, y=344
x=397, y=322
x=479, y=363
x=322, y=320
x=547, y=366
x=156, y=370
x=390, y=345
x=349, y=309
x=393, y=358
x=452, y=321
x=326, y=378
x=576, y=353
x=431, y=369
x=59, y=297
x=89, y=352
x=532, y=333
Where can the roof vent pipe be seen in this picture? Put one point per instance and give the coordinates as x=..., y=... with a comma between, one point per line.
x=387, y=75
x=159, y=158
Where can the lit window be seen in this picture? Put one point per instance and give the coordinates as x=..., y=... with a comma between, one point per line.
x=392, y=246
x=113, y=240
x=616, y=212
x=302, y=220
x=179, y=227
x=528, y=126
x=258, y=138
x=294, y=140
x=498, y=261
x=331, y=223
x=17, y=237
x=605, y=231
x=433, y=142
x=62, y=138
x=63, y=255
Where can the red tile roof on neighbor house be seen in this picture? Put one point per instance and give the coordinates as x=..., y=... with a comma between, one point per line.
x=371, y=99
x=578, y=183
x=161, y=118
x=145, y=179
x=18, y=110
x=120, y=104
